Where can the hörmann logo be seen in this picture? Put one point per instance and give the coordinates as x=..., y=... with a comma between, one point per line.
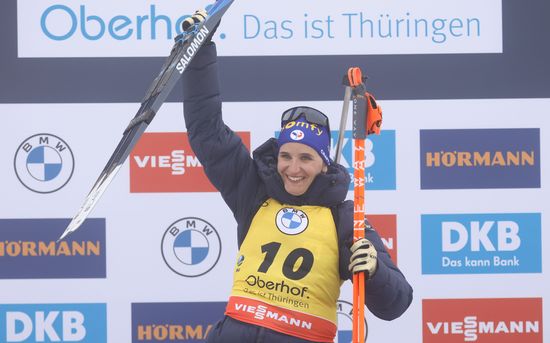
x=481, y=243
x=164, y=162
x=84, y=323
x=174, y=322
x=29, y=249
x=480, y=158
x=482, y=320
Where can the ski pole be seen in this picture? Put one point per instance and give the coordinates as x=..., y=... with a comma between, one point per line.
x=359, y=135
x=367, y=119
x=343, y=121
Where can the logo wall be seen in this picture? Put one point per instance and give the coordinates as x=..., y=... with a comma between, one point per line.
x=480, y=158
x=84, y=323
x=345, y=322
x=164, y=162
x=191, y=247
x=29, y=249
x=386, y=226
x=482, y=320
x=44, y=163
x=481, y=243
x=379, y=159
x=174, y=322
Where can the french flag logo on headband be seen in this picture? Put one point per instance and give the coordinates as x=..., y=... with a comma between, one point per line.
x=297, y=135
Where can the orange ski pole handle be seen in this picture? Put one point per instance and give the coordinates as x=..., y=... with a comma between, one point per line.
x=354, y=76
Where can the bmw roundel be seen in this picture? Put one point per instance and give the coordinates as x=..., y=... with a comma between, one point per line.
x=291, y=221
x=44, y=163
x=191, y=247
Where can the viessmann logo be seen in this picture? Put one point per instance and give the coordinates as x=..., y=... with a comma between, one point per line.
x=164, y=162
x=480, y=158
x=482, y=320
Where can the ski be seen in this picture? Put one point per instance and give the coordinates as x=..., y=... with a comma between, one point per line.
x=185, y=48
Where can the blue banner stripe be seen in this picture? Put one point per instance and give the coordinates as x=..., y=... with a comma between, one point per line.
x=519, y=72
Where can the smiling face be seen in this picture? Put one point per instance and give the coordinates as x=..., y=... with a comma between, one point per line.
x=298, y=165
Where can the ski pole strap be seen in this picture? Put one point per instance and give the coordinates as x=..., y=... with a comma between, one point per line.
x=374, y=115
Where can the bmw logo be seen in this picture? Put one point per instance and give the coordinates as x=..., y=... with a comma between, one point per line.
x=44, y=163
x=191, y=247
x=291, y=221
x=297, y=135
x=344, y=311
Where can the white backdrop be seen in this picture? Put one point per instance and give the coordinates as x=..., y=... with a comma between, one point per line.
x=135, y=223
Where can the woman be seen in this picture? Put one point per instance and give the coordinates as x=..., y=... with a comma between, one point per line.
x=295, y=231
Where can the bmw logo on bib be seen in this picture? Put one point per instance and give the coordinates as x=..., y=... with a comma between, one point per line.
x=291, y=221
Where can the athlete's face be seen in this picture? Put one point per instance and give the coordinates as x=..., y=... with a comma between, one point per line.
x=298, y=165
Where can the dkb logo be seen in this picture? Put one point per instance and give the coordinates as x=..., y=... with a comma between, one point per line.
x=481, y=243
x=379, y=159
x=84, y=323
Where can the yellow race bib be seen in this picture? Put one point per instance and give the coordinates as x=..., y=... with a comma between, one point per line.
x=286, y=277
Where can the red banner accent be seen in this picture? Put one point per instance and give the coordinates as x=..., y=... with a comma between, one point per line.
x=280, y=319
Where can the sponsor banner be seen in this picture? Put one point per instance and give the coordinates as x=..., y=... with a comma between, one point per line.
x=174, y=322
x=482, y=320
x=164, y=162
x=296, y=323
x=379, y=159
x=86, y=28
x=345, y=322
x=29, y=249
x=29, y=323
x=386, y=226
x=191, y=247
x=480, y=158
x=44, y=163
x=481, y=243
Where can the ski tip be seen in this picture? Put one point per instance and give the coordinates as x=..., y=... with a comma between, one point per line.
x=65, y=234
x=72, y=227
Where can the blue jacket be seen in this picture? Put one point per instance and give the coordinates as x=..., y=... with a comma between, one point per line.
x=245, y=183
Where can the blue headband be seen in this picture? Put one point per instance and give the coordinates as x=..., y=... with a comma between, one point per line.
x=312, y=135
